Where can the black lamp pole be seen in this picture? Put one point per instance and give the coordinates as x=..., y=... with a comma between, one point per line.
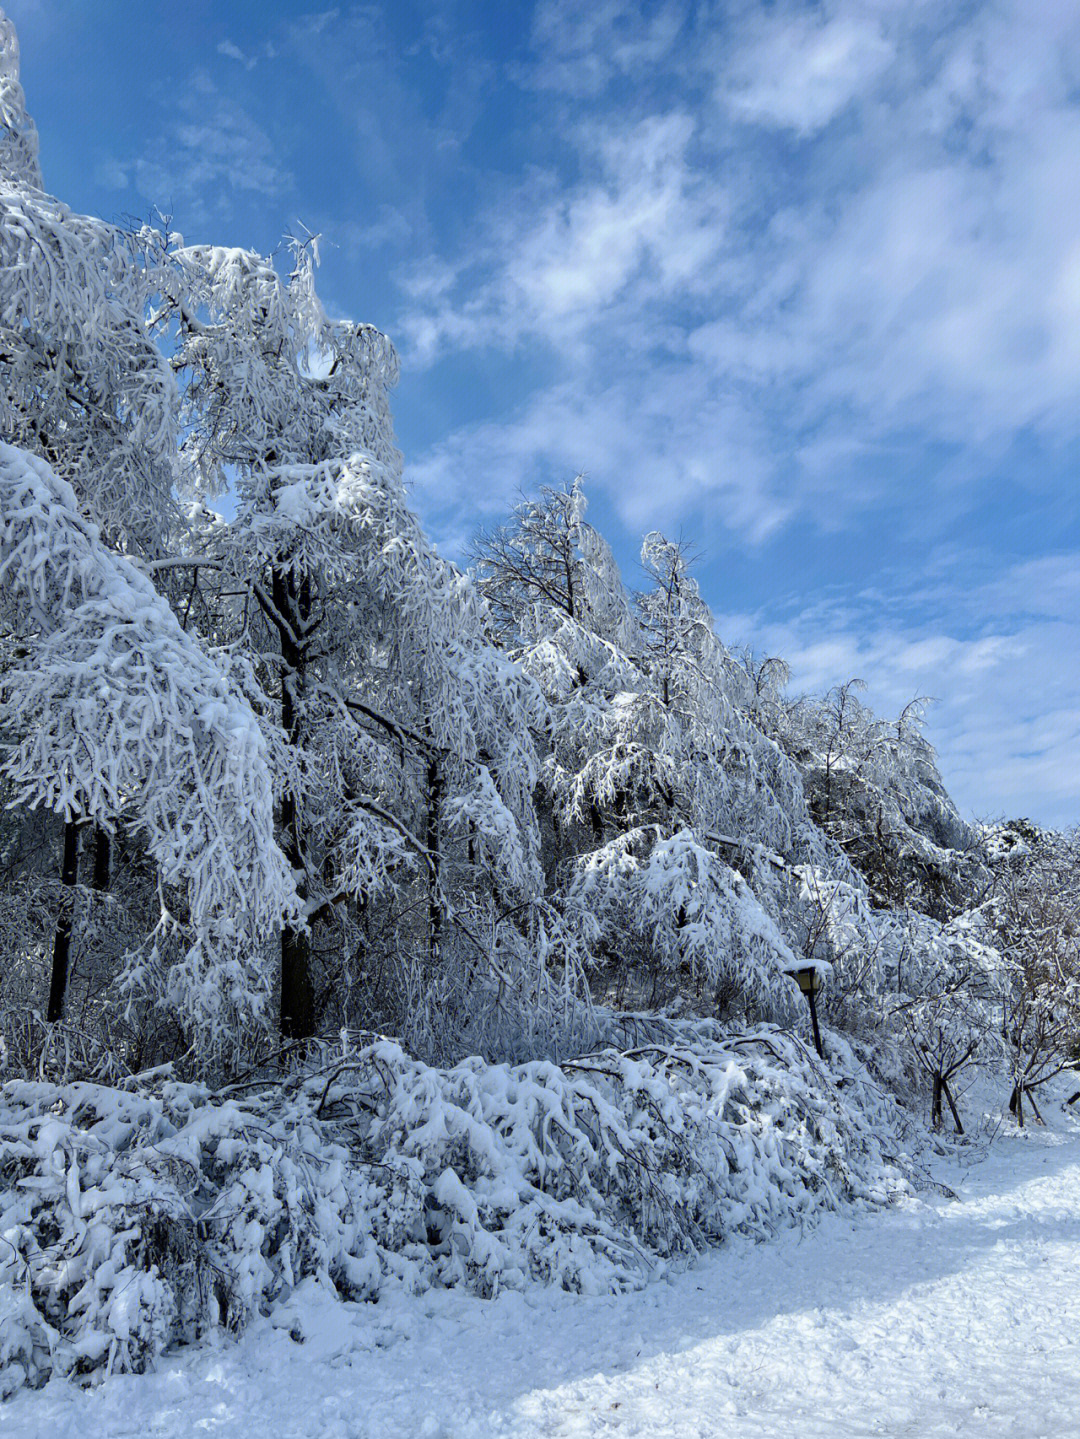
x=813, y=1020
x=809, y=981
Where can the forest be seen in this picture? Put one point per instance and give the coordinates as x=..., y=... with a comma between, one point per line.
x=374, y=920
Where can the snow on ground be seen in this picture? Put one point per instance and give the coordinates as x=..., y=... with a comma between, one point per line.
x=940, y=1317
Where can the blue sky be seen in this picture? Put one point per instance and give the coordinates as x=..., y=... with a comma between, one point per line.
x=799, y=282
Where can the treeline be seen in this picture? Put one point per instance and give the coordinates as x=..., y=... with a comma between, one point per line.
x=293, y=774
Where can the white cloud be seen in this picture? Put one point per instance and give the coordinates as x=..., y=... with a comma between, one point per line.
x=582, y=48
x=794, y=263
x=1048, y=587
x=113, y=174
x=233, y=52
x=799, y=69
x=932, y=264
x=1006, y=721
x=662, y=446
x=211, y=148
x=555, y=262
x=912, y=272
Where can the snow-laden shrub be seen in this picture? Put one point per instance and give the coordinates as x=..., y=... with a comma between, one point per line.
x=130, y=1221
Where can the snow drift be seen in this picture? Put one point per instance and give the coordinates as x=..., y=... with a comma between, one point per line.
x=133, y=1219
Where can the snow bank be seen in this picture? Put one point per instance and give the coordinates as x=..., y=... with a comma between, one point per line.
x=136, y=1219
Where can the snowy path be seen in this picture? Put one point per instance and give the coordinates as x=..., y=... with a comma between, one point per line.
x=937, y=1318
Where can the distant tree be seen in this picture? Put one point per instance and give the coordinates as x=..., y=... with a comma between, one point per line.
x=1035, y=909
x=548, y=558
x=874, y=788
x=946, y=1006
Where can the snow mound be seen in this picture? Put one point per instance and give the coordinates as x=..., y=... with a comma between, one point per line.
x=134, y=1219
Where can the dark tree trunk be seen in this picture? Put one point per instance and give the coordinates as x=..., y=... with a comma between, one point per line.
x=297, y=990
x=431, y=842
x=952, y=1106
x=935, y=1107
x=292, y=601
x=102, y=859
x=69, y=875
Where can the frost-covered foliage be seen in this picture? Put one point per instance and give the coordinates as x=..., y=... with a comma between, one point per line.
x=133, y=1219
x=18, y=134
x=874, y=787
x=81, y=381
x=1033, y=916
x=673, y=897
x=121, y=717
x=123, y=714
x=669, y=813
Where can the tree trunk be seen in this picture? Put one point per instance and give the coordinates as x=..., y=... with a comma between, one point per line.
x=431, y=842
x=292, y=602
x=952, y=1106
x=102, y=859
x=69, y=875
x=297, y=990
x=935, y=1107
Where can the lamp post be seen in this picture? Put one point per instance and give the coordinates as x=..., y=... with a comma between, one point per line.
x=809, y=981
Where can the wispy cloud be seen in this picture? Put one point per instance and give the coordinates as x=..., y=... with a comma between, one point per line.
x=559, y=262
x=249, y=60
x=798, y=70
x=710, y=460
x=1006, y=718
x=861, y=218
x=581, y=49
x=209, y=150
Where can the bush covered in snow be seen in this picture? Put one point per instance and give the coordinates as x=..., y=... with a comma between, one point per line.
x=136, y=1218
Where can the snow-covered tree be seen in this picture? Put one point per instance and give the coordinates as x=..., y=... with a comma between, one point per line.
x=874, y=788
x=110, y=712
x=81, y=382
x=118, y=716
x=659, y=792
x=548, y=560
x=1034, y=913
x=403, y=737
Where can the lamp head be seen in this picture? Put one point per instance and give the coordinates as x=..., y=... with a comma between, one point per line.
x=808, y=979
